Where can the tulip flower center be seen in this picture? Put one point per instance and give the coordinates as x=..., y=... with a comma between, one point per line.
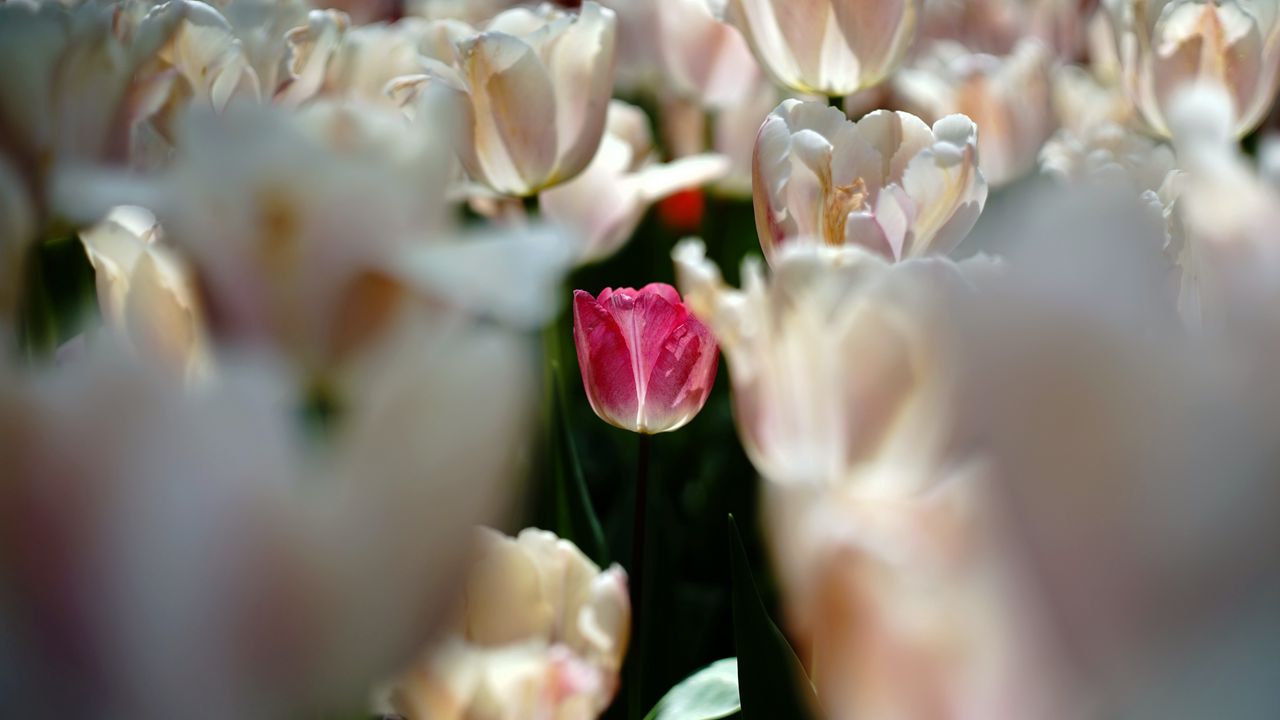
x=840, y=201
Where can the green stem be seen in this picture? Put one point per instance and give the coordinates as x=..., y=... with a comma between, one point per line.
x=638, y=604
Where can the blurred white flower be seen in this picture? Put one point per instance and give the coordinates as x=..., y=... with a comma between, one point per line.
x=877, y=506
x=681, y=50
x=606, y=202
x=1139, y=501
x=703, y=57
x=145, y=293
x=330, y=57
x=207, y=55
x=542, y=634
x=287, y=233
x=72, y=89
x=1165, y=46
x=887, y=182
x=827, y=47
x=1082, y=100
x=1008, y=97
x=1110, y=151
x=261, y=27
x=1229, y=260
x=186, y=551
x=639, y=64
x=298, y=226
x=815, y=352
x=997, y=26
x=733, y=134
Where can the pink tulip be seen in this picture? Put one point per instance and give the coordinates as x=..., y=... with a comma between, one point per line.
x=647, y=363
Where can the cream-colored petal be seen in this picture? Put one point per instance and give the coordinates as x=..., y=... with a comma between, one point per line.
x=877, y=33
x=311, y=47
x=756, y=20
x=944, y=182
x=514, y=113
x=704, y=58
x=581, y=62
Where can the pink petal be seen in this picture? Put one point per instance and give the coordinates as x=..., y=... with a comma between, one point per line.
x=682, y=376
x=605, y=360
x=671, y=294
x=645, y=319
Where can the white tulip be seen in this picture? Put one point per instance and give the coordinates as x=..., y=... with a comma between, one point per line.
x=887, y=182
x=827, y=47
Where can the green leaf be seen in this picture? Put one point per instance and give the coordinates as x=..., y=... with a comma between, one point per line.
x=771, y=679
x=576, y=519
x=709, y=694
x=57, y=295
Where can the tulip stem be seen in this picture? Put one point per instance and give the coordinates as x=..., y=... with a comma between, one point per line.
x=637, y=572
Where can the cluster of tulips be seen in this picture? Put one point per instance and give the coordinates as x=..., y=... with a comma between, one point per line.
x=284, y=285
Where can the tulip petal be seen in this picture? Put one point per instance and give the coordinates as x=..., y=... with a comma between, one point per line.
x=899, y=136
x=877, y=32
x=863, y=228
x=659, y=181
x=942, y=180
x=683, y=372
x=771, y=174
x=581, y=61
x=761, y=28
x=605, y=361
x=704, y=57
x=645, y=318
x=515, y=112
x=805, y=26
x=600, y=203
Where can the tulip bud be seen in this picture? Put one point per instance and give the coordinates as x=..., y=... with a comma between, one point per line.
x=1167, y=45
x=539, y=86
x=647, y=363
x=887, y=182
x=827, y=47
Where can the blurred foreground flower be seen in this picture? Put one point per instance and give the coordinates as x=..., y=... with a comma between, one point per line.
x=146, y=294
x=312, y=232
x=1230, y=261
x=607, y=201
x=196, y=551
x=876, y=505
x=542, y=634
x=1168, y=45
x=827, y=47
x=73, y=89
x=1008, y=97
x=647, y=363
x=1140, y=503
x=816, y=352
x=887, y=182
